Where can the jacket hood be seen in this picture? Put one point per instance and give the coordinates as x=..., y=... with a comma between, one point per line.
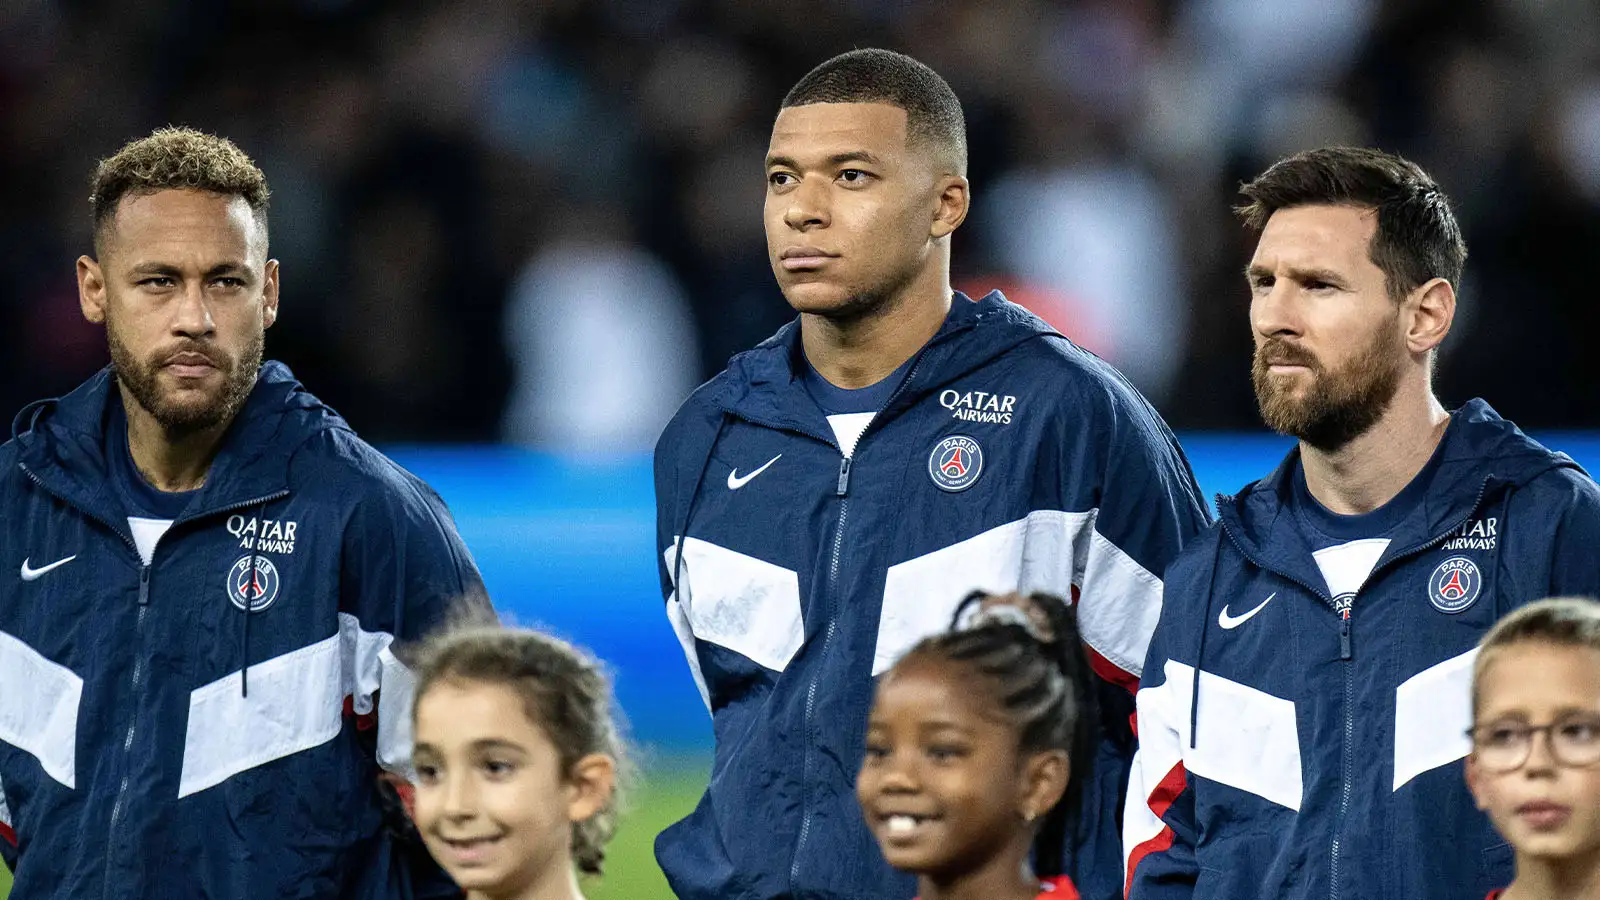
x=1480, y=454
x=761, y=381
x=62, y=440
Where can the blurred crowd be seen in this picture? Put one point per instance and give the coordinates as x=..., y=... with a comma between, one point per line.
x=541, y=221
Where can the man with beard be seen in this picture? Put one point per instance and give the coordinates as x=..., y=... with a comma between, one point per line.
x=197, y=690
x=1305, y=702
x=845, y=484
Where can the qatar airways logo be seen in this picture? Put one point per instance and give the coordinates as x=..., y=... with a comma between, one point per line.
x=1476, y=534
x=263, y=535
x=979, y=406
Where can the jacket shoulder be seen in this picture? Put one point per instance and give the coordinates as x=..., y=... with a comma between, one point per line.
x=1079, y=377
x=338, y=456
x=700, y=412
x=10, y=457
x=1188, y=576
x=1567, y=486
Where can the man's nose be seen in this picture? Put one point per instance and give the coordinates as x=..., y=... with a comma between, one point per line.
x=1274, y=312
x=192, y=315
x=808, y=206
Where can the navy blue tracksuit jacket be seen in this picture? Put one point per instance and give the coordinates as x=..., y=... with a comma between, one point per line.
x=211, y=725
x=1008, y=459
x=1301, y=741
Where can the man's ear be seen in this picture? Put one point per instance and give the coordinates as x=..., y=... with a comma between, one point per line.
x=269, y=295
x=91, y=290
x=954, y=200
x=1433, y=311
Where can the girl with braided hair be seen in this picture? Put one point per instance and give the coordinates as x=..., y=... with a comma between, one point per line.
x=977, y=743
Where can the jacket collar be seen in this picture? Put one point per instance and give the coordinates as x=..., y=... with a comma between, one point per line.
x=1479, y=455
x=63, y=441
x=764, y=383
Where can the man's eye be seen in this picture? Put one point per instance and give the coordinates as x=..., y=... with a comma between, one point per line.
x=157, y=281
x=946, y=752
x=780, y=179
x=427, y=774
x=877, y=751
x=230, y=283
x=854, y=176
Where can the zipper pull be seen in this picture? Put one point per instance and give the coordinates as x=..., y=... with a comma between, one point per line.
x=144, y=585
x=1344, y=636
x=844, y=477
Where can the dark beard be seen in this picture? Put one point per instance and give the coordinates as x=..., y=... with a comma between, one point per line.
x=1340, y=406
x=181, y=419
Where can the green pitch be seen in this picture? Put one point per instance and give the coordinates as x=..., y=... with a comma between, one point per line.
x=662, y=798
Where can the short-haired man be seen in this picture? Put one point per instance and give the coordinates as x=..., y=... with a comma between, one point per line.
x=206, y=569
x=843, y=485
x=1305, y=703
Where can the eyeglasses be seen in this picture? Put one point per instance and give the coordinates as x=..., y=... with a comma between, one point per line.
x=1573, y=741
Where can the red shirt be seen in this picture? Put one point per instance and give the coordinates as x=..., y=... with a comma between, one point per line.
x=1062, y=889
x=1494, y=895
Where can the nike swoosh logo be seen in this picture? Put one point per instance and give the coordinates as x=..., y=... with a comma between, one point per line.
x=1231, y=622
x=32, y=574
x=735, y=481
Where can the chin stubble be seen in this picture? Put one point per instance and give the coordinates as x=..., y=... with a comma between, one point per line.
x=141, y=381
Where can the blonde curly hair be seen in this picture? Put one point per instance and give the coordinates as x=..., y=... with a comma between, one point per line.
x=176, y=158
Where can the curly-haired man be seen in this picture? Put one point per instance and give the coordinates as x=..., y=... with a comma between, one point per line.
x=197, y=693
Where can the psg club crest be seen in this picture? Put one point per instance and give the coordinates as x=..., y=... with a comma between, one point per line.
x=253, y=581
x=1454, y=585
x=955, y=463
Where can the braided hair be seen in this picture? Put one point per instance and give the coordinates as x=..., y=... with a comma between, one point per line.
x=1041, y=680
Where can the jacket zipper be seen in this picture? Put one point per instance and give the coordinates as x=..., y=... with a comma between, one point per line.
x=1346, y=654
x=138, y=630
x=842, y=491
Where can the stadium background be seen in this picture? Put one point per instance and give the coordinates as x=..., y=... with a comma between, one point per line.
x=514, y=234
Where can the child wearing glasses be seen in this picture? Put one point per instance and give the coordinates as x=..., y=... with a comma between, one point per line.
x=1535, y=760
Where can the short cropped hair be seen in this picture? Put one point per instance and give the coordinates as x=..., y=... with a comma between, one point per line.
x=871, y=75
x=1417, y=238
x=1564, y=621
x=176, y=158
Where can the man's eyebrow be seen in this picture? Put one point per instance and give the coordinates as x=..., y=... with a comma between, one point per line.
x=167, y=269
x=1254, y=271
x=854, y=156
x=837, y=159
x=1304, y=275
x=155, y=268
x=227, y=268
